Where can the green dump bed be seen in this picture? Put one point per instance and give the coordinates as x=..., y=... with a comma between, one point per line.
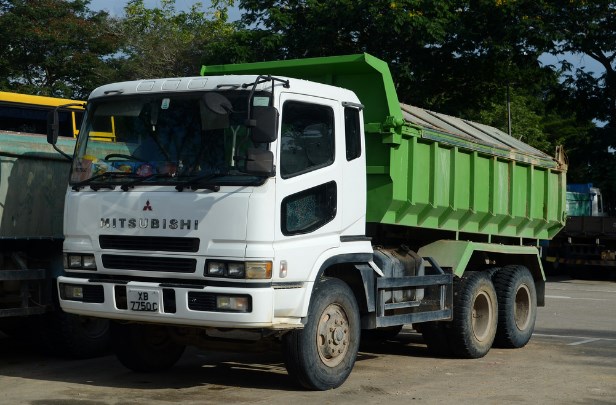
x=33, y=181
x=434, y=171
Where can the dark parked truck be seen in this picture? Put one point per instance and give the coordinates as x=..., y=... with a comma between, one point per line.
x=33, y=180
x=298, y=203
x=588, y=240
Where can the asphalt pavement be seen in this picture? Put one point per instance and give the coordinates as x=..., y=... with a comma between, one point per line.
x=571, y=359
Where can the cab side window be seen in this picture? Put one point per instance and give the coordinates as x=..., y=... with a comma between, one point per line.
x=352, y=133
x=307, y=138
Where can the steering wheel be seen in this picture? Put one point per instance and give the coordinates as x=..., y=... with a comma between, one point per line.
x=122, y=156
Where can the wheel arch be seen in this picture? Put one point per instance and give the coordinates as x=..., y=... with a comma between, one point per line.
x=461, y=256
x=345, y=268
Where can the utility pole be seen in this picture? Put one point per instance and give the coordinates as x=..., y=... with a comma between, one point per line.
x=508, y=111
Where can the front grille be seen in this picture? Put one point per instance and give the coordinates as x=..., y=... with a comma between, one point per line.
x=145, y=263
x=149, y=243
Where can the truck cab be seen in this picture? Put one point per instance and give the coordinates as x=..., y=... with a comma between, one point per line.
x=176, y=201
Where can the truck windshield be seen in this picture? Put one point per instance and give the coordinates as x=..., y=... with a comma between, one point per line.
x=166, y=139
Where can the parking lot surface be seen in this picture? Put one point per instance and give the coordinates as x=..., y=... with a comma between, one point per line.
x=571, y=359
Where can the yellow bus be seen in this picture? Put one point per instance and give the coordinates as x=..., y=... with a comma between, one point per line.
x=24, y=113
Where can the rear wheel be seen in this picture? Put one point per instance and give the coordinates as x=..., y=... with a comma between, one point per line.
x=321, y=356
x=473, y=328
x=145, y=348
x=517, y=306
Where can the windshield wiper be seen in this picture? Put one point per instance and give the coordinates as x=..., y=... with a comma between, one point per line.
x=131, y=184
x=78, y=186
x=200, y=182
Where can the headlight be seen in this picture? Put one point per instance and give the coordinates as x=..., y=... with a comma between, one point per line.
x=236, y=270
x=243, y=270
x=74, y=261
x=215, y=269
x=88, y=262
x=79, y=261
x=233, y=303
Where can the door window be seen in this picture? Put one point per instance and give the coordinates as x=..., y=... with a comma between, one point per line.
x=307, y=138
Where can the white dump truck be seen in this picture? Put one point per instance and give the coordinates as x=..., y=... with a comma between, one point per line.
x=299, y=204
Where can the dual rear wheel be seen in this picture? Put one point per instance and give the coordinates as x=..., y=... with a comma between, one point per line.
x=490, y=308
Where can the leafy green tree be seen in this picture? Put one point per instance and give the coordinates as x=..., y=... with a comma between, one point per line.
x=164, y=42
x=53, y=47
x=453, y=56
x=584, y=27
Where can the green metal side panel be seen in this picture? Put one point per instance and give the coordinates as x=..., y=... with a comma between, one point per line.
x=436, y=185
x=33, y=182
x=436, y=177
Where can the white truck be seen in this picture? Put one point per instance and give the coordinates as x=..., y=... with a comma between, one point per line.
x=250, y=206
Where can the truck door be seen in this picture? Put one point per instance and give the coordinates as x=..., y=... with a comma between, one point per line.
x=309, y=191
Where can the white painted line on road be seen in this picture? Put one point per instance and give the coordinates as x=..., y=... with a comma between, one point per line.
x=572, y=298
x=583, y=342
x=582, y=290
x=585, y=338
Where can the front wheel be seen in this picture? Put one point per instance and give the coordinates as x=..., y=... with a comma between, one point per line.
x=517, y=306
x=475, y=315
x=321, y=356
x=69, y=335
x=145, y=348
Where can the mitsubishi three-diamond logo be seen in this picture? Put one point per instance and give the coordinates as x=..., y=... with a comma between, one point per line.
x=147, y=206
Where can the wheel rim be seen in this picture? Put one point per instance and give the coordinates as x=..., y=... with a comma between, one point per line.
x=521, y=309
x=482, y=316
x=333, y=335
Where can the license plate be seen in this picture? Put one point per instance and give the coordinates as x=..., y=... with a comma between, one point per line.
x=142, y=300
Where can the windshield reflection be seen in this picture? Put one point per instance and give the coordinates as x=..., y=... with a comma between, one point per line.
x=162, y=138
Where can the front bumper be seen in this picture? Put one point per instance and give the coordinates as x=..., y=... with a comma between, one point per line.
x=175, y=304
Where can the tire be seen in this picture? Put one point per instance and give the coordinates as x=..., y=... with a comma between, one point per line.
x=84, y=337
x=322, y=354
x=145, y=348
x=475, y=316
x=68, y=335
x=14, y=327
x=517, y=306
x=436, y=337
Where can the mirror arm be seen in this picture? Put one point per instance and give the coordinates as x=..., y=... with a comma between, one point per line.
x=261, y=79
x=60, y=151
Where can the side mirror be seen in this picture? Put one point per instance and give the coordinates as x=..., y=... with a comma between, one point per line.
x=264, y=124
x=53, y=126
x=259, y=162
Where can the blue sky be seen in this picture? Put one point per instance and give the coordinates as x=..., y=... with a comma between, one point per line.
x=116, y=7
